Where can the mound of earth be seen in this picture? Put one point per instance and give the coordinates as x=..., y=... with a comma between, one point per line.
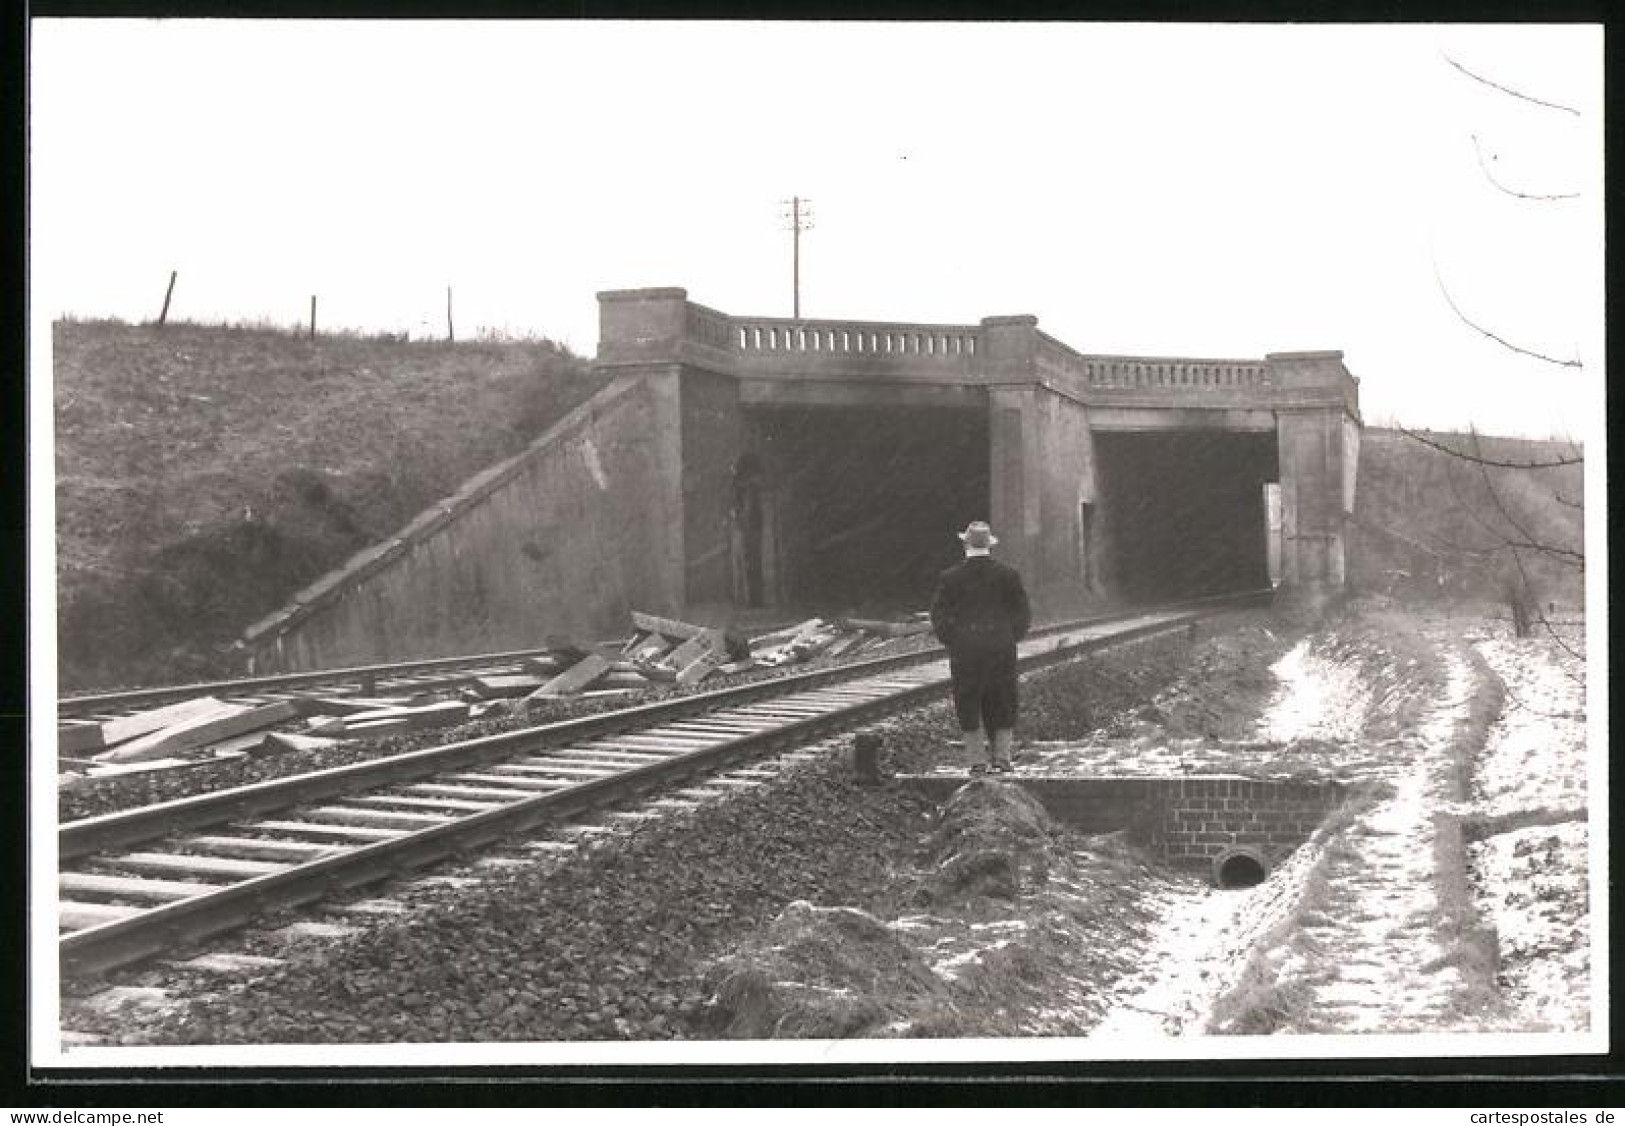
x=993, y=840
x=818, y=972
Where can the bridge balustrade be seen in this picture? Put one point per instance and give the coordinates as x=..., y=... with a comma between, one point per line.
x=1153, y=373
x=760, y=335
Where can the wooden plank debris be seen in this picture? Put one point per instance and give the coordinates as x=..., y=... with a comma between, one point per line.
x=583, y=674
x=609, y=693
x=278, y=742
x=702, y=644
x=658, y=673
x=652, y=647
x=810, y=638
x=378, y=725
x=383, y=721
x=350, y=705
x=624, y=678
x=116, y=731
x=236, y=746
x=110, y=769
x=697, y=669
x=667, y=627
x=505, y=687
x=782, y=636
x=221, y=722
x=887, y=629
x=843, y=644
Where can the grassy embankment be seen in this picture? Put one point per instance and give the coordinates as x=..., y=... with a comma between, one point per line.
x=1425, y=522
x=205, y=473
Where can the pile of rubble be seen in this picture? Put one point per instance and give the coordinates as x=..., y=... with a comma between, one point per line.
x=658, y=653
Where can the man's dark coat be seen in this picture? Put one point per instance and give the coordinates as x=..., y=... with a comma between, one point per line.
x=980, y=606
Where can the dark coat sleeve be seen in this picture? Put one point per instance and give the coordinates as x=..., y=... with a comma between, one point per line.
x=1021, y=613
x=943, y=611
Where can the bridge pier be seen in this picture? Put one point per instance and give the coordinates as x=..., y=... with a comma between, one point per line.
x=1319, y=453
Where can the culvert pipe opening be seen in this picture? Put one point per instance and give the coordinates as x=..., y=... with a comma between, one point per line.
x=1239, y=870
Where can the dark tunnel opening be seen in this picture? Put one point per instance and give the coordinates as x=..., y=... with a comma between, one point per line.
x=1183, y=512
x=864, y=502
x=1240, y=870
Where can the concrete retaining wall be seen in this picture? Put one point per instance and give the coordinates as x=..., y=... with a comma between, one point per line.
x=560, y=539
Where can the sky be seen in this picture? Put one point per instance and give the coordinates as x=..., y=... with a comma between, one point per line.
x=1170, y=190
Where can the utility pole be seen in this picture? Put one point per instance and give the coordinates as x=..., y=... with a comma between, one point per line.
x=451, y=333
x=799, y=217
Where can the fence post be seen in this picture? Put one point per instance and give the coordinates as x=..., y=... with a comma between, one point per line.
x=163, y=314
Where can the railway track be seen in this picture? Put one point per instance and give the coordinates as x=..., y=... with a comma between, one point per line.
x=147, y=881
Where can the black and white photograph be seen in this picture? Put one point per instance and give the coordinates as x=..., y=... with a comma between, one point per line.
x=563, y=543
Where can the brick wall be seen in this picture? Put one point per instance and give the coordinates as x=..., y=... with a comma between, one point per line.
x=1190, y=820
x=1203, y=817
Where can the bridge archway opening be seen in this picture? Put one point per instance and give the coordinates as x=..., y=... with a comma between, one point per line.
x=861, y=503
x=1183, y=512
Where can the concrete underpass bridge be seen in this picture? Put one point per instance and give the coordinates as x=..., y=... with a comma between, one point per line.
x=831, y=461
x=735, y=461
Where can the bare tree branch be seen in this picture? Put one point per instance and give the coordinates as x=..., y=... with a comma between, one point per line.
x=1486, y=332
x=1470, y=509
x=1503, y=541
x=1541, y=615
x=1373, y=526
x=1490, y=176
x=1508, y=89
x=1572, y=558
x=1477, y=459
x=1567, y=556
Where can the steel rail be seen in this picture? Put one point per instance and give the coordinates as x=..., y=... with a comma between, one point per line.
x=175, y=924
x=74, y=705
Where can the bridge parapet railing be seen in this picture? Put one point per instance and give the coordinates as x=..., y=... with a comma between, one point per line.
x=1139, y=372
x=766, y=337
x=1151, y=374
x=708, y=326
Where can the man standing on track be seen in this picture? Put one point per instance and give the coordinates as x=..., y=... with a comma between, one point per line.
x=979, y=612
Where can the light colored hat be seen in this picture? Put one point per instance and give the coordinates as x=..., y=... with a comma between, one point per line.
x=978, y=535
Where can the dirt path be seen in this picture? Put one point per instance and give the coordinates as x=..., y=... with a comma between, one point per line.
x=1387, y=976
x=1530, y=881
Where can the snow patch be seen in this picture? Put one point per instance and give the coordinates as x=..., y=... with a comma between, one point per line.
x=1316, y=699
